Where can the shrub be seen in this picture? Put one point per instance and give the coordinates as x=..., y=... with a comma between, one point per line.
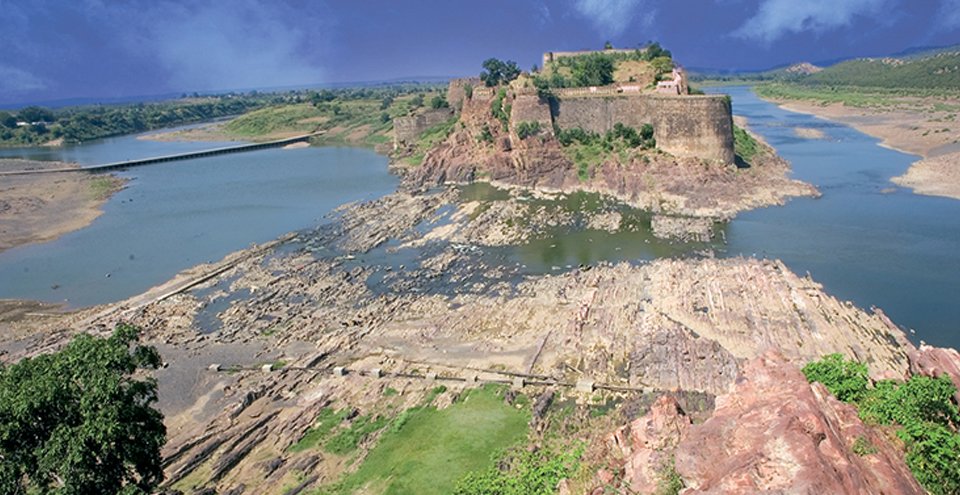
x=527, y=129
x=847, y=380
x=485, y=135
x=922, y=407
x=438, y=102
x=522, y=472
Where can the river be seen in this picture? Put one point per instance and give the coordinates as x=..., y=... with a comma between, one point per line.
x=175, y=215
x=866, y=240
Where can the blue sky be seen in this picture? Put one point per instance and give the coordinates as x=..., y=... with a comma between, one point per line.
x=56, y=49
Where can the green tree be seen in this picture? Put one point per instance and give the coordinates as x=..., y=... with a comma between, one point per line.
x=8, y=120
x=497, y=71
x=76, y=421
x=595, y=69
x=654, y=50
x=35, y=114
x=438, y=101
x=417, y=100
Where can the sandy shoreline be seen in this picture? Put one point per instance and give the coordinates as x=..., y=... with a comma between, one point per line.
x=910, y=127
x=42, y=207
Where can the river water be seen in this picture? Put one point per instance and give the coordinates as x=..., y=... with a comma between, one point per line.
x=175, y=215
x=865, y=239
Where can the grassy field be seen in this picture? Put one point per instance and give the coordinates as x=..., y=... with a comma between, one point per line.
x=361, y=119
x=426, y=450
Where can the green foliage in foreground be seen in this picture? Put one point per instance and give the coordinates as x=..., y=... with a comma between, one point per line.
x=522, y=472
x=921, y=408
x=426, y=450
x=744, y=145
x=76, y=421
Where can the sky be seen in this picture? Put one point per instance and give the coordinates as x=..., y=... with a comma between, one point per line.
x=63, y=49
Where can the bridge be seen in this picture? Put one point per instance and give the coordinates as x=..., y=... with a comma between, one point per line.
x=169, y=158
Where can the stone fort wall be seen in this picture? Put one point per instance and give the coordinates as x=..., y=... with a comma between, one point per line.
x=407, y=129
x=688, y=126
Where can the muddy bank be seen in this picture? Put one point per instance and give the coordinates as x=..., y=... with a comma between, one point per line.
x=213, y=131
x=42, y=207
x=937, y=176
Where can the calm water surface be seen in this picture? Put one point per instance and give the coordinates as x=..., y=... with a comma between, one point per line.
x=175, y=215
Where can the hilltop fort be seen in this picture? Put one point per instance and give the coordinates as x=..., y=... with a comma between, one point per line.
x=620, y=122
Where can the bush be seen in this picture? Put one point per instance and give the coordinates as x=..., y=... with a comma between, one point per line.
x=847, y=380
x=522, y=473
x=485, y=135
x=500, y=111
x=527, y=129
x=922, y=407
x=438, y=102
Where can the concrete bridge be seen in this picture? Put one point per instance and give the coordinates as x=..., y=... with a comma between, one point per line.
x=106, y=167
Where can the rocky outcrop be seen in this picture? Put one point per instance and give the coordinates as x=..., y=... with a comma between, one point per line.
x=646, y=446
x=772, y=433
x=482, y=148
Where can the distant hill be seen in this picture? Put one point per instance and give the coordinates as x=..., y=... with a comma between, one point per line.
x=940, y=70
x=922, y=68
x=785, y=73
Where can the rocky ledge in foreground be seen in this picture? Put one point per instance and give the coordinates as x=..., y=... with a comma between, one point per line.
x=772, y=433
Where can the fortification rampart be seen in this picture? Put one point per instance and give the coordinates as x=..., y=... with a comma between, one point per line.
x=689, y=126
x=457, y=90
x=552, y=56
x=407, y=129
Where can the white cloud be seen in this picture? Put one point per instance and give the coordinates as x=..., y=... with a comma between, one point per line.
x=949, y=14
x=777, y=18
x=612, y=17
x=250, y=44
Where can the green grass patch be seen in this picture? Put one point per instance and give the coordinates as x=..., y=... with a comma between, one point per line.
x=346, y=441
x=326, y=421
x=101, y=187
x=426, y=450
x=744, y=145
x=274, y=119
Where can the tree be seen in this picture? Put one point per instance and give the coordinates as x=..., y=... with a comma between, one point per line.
x=595, y=69
x=417, y=100
x=35, y=114
x=8, y=120
x=608, y=46
x=76, y=421
x=438, y=101
x=654, y=50
x=498, y=71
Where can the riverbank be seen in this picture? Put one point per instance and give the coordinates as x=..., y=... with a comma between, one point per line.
x=42, y=207
x=921, y=126
x=386, y=286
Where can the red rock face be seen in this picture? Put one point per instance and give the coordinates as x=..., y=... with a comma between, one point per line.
x=773, y=433
x=937, y=361
x=647, y=442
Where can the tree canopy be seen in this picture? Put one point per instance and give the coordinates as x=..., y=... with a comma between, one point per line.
x=498, y=71
x=77, y=421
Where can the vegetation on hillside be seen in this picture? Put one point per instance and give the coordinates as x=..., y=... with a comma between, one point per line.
x=590, y=149
x=598, y=68
x=77, y=421
x=35, y=125
x=745, y=147
x=921, y=409
x=350, y=116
